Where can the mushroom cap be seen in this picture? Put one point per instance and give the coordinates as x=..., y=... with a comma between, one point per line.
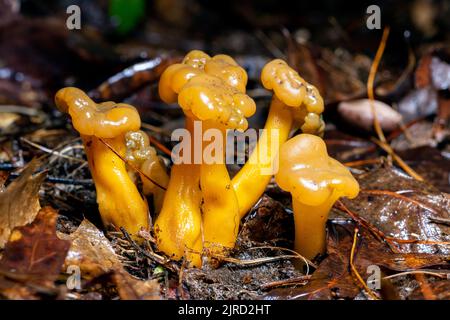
x=310, y=175
x=209, y=97
x=289, y=87
x=197, y=62
x=103, y=120
x=295, y=92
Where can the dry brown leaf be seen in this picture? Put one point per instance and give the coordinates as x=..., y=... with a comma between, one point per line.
x=91, y=251
x=19, y=203
x=130, y=288
x=33, y=258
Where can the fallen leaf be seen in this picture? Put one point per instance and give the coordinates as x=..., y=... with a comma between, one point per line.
x=19, y=203
x=333, y=280
x=268, y=222
x=33, y=257
x=399, y=218
x=130, y=288
x=91, y=251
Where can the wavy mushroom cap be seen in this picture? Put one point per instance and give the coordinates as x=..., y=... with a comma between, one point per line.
x=228, y=70
x=295, y=92
x=197, y=62
x=196, y=59
x=211, y=98
x=310, y=175
x=103, y=120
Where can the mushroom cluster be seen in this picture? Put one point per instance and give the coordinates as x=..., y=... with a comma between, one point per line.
x=200, y=207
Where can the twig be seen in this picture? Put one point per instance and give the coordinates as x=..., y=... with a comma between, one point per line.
x=286, y=282
x=435, y=274
x=362, y=162
x=50, y=151
x=355, y=271
x=153, y=256
x=440, y=220
x=160, y=146
x=386, y=147
x=307, y=261
x=371, y=79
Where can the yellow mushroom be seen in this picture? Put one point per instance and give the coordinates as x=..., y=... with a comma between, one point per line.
x=315, y=182
x=102, y=126
x=178, y=227
x=211, y=90
x=219, y=106
x=295, y=102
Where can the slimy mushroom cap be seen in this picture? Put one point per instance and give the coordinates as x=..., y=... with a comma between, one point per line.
x=295, y=92
x=103, y=120
x=310, y=175
x=209, y=97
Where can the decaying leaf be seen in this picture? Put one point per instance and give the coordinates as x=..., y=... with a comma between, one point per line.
x=19, y=203
x=91, y=251
x=130, y=288
x=333, y=279
x=33, y=257
x=268, y=222
x=399, y=218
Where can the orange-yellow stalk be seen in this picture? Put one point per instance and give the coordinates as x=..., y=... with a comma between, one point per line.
x=120, y=203
x=315, y=182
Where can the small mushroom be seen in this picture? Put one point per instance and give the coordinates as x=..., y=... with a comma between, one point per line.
x=315, y=182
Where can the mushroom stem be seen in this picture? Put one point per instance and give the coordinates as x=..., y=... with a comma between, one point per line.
x=178, y=225
x=120, y=203
x=310, y=227
x=220, y=204
x=251, y=181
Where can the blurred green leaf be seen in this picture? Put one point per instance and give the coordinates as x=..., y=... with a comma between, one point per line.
x=126, y=13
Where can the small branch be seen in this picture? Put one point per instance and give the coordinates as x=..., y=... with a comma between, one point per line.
x=355, y=271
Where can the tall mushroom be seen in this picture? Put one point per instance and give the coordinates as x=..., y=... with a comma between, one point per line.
x=211, y=90
x=211, y=99
x=178, y=227
x=102, y=126
x=294, y=103
x=315, y=182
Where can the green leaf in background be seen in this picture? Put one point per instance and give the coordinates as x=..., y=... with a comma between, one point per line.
x=126, y=13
